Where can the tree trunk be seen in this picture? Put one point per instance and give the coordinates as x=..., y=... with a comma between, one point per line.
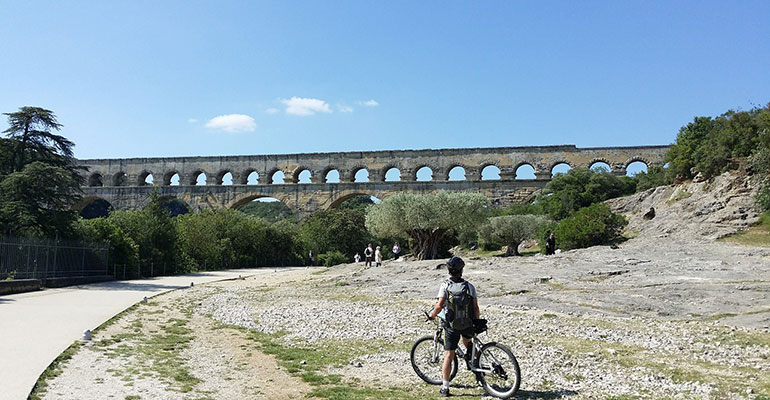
x=427, y=242
x=513, y=250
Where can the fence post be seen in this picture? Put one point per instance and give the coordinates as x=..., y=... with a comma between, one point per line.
x=83, y=262
x=138, y=271
x=152, y=268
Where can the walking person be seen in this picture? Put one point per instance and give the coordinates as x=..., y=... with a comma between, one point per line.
x=368, y=253
x=550, y=245
x=310, y=258
x=396, y=250
x=357, y=258
x=378, y=257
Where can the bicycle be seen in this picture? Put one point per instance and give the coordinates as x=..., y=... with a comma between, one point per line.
x=493, y=363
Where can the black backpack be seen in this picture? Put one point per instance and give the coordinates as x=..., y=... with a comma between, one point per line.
x=459, y=314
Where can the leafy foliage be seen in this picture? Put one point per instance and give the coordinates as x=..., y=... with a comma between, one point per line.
x=122, y=249
x=39, y=178
x=426, y=219
x=579, y=188
x=340, y=230
x=589, y=226
x=654, y=177
x=332, y=258
x=271, y=211
x=511, y=230
x=711, y=146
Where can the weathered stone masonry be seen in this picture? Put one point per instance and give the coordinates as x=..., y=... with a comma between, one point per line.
x=122, y=181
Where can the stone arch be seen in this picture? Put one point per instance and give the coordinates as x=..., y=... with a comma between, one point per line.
x=339, y=200
x=517, y=171
x=221, y=176
x=299, y=171
x=329, y=170
x=90, y=207
x=486, y=167
x=247, y=175
x=174, y=205
x=169, y=177
x=354, y=174
x=119, y=179
x=193, y=181
x=248, y=198
x=593, y=163
x=630, y=169
x=558, y=163
x=142, y=179
x=423, y=170
x=390, y=169
x=461, y=170
x=277, y=176
x=95, y=180
x=637, y=159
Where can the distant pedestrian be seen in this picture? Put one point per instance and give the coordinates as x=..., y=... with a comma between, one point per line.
x=368, y=254
x=310, y=258
x=357, y=258
x=378, y=257
x=396, y=250
x=550, y=244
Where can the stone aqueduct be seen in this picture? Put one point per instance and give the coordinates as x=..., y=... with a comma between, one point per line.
x=124, y=182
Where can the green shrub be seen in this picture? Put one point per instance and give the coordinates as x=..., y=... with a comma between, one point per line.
x=510, y=230
x=589, y=226
x=654, y=177
x=543, y=232
x=332, y=258
x=579, y=188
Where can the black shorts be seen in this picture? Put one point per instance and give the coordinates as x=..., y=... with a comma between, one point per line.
x=452, y=337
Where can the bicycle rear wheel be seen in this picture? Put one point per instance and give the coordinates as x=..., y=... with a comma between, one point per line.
x=427, y=357
x=500, y=375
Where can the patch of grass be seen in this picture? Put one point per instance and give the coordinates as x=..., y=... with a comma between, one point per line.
x=357, y=393
x=717, y=317
x=548, y=315
x=133, y=397
x=54, y=369
x=756, y=236
x=340, y=283
x=323, y=271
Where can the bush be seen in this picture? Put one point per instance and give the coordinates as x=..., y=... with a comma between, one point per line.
x=510, y=230
x=579, y=188
x=654, y=177
x=543, y=232
x=590, y=226
x=332, y=258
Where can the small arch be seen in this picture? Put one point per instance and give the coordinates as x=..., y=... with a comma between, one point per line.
x=392, y=174
x=361, y=175
x=525, y=171
x=424, y=174
x=95, y=180
x=332, y=176
x=636, y=167
x=200, y=179
x=456, y=173
x=490, y=172
x=277, y=177
x=252, y=178
x=303, y=175
x=226, y=179
x=119, y=179
x=145, y=178
x=171, y=178
x=94, y=207
x=600, y=166
x=561, y=167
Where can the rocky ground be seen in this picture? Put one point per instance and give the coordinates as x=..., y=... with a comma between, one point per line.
x=670, y=314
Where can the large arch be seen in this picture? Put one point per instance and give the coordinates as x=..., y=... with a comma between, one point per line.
x=339, y=200
x=174, y=205
x=90, y=207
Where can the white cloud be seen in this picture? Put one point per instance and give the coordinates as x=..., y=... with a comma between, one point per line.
x=232, y=123
x=192, y=121
x=369, y=103
x=272, y=110
x=345, y=109
x=304, y=106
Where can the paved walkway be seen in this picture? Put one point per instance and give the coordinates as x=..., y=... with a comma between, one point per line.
x=36, y=327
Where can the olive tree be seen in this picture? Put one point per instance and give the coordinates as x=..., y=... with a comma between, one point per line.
x=511, y=230
x=426, y=218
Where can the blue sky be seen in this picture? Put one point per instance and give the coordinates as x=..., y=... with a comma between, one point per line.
x=149, y=78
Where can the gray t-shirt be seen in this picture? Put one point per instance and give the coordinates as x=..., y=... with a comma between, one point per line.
x=443, y=293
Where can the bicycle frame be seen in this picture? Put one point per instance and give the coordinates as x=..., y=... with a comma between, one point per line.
x=475, y=349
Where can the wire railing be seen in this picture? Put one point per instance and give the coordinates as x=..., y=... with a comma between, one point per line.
x=30, y=258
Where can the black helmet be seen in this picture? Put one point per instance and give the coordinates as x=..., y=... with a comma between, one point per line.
x=455, y=265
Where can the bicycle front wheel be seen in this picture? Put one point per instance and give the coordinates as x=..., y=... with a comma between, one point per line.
x=499, y=371
x=427, y=357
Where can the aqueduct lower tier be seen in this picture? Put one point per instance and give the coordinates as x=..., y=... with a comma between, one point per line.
x=124, y=182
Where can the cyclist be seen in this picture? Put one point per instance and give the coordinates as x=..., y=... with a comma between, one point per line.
x=452, y=337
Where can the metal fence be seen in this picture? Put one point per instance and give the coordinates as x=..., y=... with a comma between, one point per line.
x=23, y=258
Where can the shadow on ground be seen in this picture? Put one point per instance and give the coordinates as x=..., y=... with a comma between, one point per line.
x=522, y=394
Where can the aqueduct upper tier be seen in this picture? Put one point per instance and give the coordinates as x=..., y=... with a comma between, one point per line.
x=262, y=173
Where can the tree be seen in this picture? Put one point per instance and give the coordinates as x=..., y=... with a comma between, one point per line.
x=579, y=188
x=426, y=218
x=511, y=230
x=30, y=131
x=590, y=226
x=654, y=177
x=342, y=230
